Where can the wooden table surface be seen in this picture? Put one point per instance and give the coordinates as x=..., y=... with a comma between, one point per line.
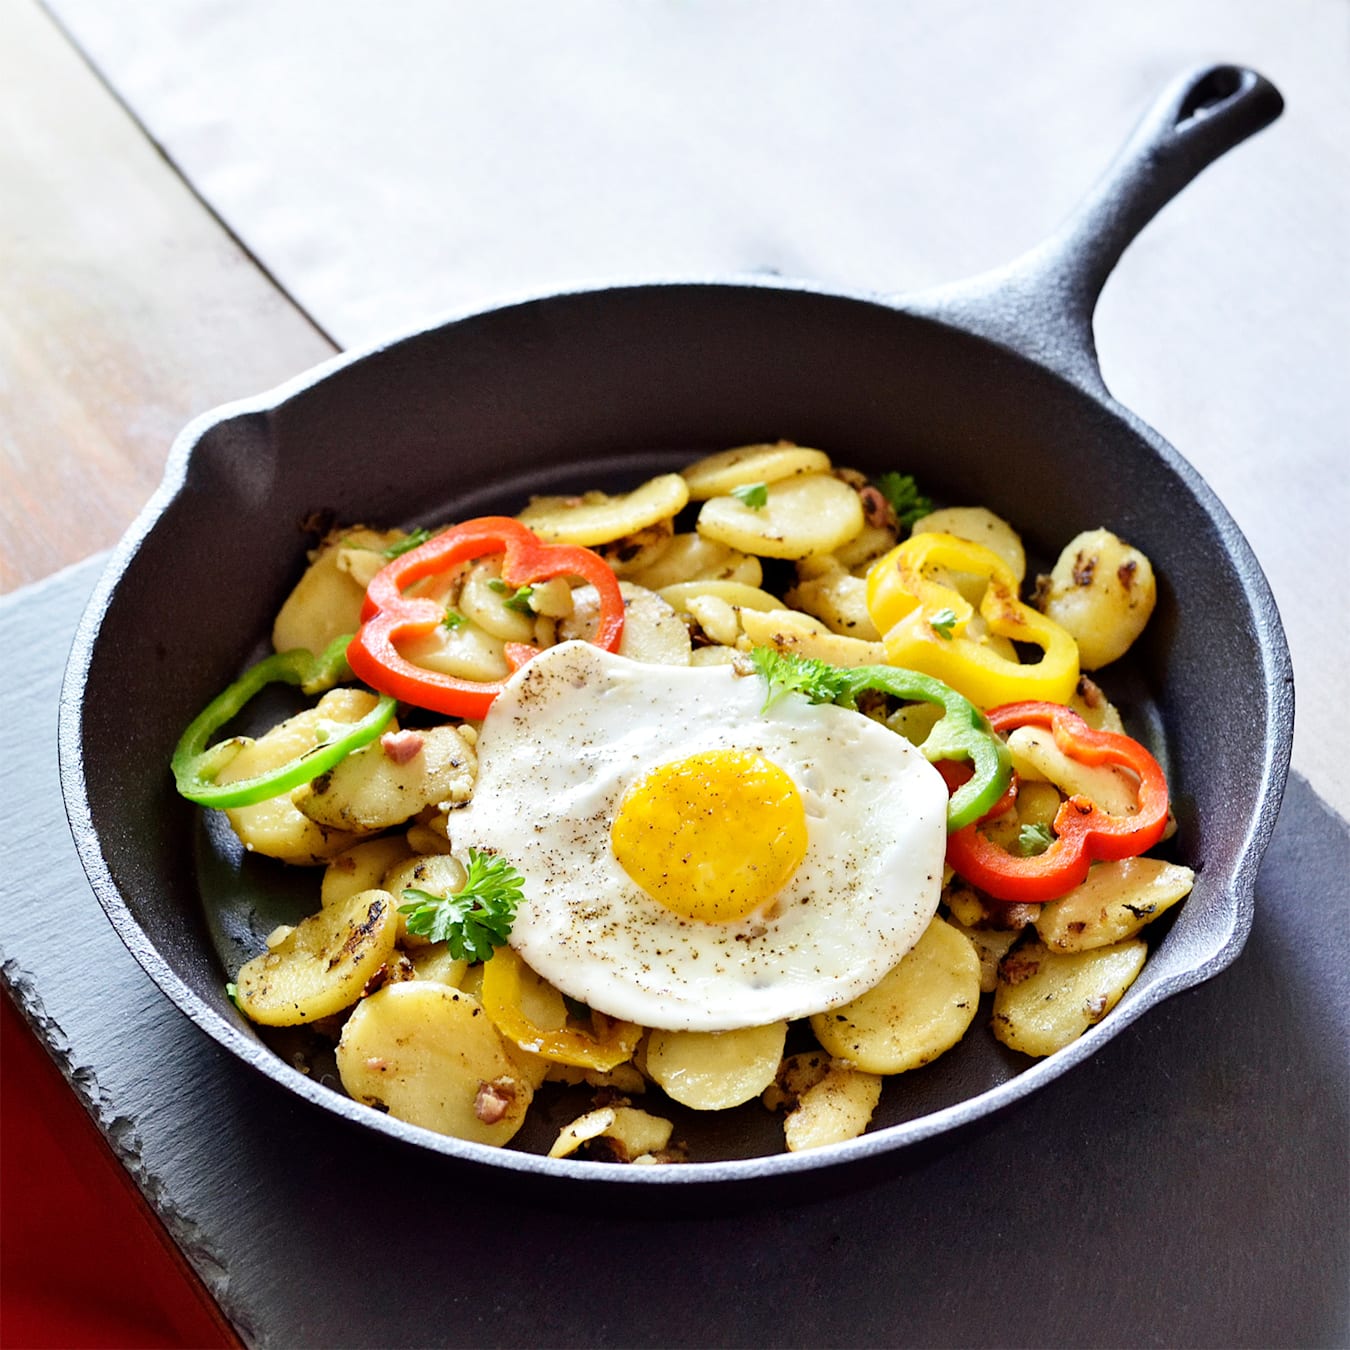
x=128, y=309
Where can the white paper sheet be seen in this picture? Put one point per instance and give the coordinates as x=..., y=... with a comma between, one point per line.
x=388, y=162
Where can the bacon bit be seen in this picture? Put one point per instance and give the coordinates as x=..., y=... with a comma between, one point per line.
x=1015, y=969
x=376, y=1065
x=1095, y=1007
x=494, y=1100
x=401, y=746
x=876, y=509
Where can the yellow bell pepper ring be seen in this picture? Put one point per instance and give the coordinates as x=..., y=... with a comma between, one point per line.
x=924, y=622
x=610, y=1044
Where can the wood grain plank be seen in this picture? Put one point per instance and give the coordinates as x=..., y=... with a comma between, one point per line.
x=127, y=307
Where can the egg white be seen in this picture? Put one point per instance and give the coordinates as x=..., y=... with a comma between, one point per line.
x=570, y=734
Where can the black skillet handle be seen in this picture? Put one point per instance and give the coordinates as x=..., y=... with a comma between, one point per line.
x=1042, y=303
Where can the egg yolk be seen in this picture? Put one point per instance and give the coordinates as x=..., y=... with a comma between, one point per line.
x=712, y=837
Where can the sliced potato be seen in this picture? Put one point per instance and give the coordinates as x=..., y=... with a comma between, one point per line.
x=691, y=557
x=915, y=721
x=1102, y=591
x=978, y=525
x=435, y=962
x=837, y=1108
x=713, y=1070
x=466, y=651
x=1114, y=903
x=734, y=593
x=372, y=790
x=428, y=1055
x=1045, y=999
x=991, y=946
x=716, y=475
x=788, y=631
x=719, y=621
x=839, y=599
x=634, y=552
x=815, y=513
x=596, y=518
x=275, y=827
x=483, y=601
x=361, y=868
x=1095, y=708
x=322, y=965
x=326, y=601
x=437, y=874
x=919, y=1010
x=634, y=1134
x=1037, y=758
x=652, y=631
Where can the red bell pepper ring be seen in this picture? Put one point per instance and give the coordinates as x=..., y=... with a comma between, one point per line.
x=1084, y=832
x=389, y=615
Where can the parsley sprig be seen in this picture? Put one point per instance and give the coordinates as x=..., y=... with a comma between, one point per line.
x=1034, y=839
x=788, y=673
x=477, y=918
x=753, y=495
x=414, y=539
x=943, y=622
x=903, y=493
x=519, y=599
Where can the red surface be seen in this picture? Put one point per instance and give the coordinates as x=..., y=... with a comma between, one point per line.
x=84, y=1262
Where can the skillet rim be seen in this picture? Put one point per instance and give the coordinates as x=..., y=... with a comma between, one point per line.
x=1270, y=648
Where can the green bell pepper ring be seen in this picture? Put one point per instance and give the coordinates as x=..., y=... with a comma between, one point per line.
x=195, y=767
x=962, y=734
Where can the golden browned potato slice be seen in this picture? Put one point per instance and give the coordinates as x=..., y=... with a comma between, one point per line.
x=1114, y=903
x=919, y=1010
x=275, y=827
x=991, y=946
x=434, y=962
x=786, y=630
x=437, y=874
x=386, y=782
x=1045, y=999
x=322, y=965
x=836, y=597
x=837, y=1108
x=483, y=601
x=635, y=1134
x=691, y=557
x=713, y=1070
x=652, y=631
x=1102, y=591
x=429, y=1055
x=361, y=868
x=802, y=516
x=596, y=518
x=326, y=601
x=978, y=525
x=1037, y=758
x=716, y=475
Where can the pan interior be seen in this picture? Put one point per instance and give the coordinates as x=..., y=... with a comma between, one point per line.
x=600, y=390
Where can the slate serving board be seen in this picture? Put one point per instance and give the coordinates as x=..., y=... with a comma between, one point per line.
x=1187, y=1186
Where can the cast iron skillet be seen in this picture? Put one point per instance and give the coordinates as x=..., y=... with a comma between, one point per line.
x=987, y=391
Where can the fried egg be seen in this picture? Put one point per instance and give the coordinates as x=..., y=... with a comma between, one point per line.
x=691, y=861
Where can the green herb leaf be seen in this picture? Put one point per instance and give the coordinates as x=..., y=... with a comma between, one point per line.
x=753, y=495
x=414, y=539
x=453, y=620
x=903, y=493
x=1034, y=839
x=942, y=622
x=477, y=918
x=232, y=993
x=787, y=673
x=518, y=600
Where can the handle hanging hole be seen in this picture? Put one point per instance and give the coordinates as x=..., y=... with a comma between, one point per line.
x=1210, y=94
